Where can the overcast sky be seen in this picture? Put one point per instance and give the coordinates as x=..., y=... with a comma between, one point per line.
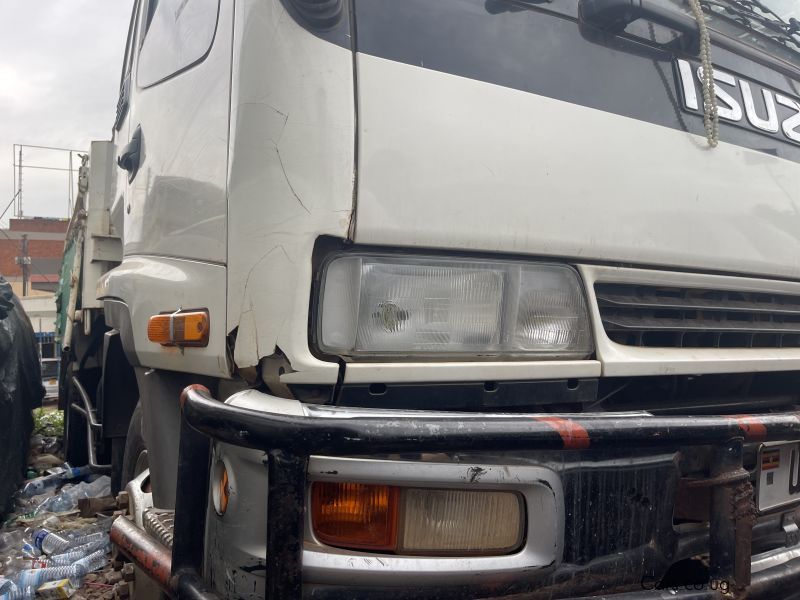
x=60, y=63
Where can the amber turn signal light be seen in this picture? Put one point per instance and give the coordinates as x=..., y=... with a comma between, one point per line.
x=189, y=328
x=355, y=515
x=220, y=488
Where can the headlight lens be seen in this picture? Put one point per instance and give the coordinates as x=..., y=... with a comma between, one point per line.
x=428, y=306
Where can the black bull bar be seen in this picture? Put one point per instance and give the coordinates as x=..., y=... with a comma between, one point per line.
x=288, y=441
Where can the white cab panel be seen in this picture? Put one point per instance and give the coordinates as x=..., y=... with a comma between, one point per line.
x=450, y=162
x=290, y=179
x=152, y=285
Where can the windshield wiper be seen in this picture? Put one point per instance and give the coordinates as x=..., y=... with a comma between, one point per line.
x=746, y=13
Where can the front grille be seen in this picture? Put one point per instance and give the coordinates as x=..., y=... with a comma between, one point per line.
x=675, y=317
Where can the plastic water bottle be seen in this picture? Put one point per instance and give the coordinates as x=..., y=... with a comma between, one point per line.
x=68, y=498
x=10, y=539
x=6, y=586
x=87, y=538
x=94, y=562
x=18, y=594
x=56, y=543
x=35, y=577
x=77, y=553
x=40, y=484
x=34, y=487
x=50, y=543
x=102, y=525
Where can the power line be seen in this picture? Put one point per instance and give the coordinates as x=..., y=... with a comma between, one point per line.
x=9, y=205
x=19, y=166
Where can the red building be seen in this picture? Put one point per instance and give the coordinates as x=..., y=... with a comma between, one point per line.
x=45, y=237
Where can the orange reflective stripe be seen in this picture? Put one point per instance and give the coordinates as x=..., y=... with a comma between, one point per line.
x=753, y=429
x=573, y=435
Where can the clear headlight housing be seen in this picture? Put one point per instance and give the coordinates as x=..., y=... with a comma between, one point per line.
x=406, y=306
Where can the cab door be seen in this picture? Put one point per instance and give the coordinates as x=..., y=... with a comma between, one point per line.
x=173, y=118
x=121, y=128
x=176, y=158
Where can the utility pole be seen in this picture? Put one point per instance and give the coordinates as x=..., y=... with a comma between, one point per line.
x=19, y=184
x=24, y=262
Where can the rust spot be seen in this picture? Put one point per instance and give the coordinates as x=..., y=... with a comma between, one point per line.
x=754, y=430
x=573, y=435
x=150, y=556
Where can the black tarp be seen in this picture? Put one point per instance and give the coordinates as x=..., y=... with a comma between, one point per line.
x=20, y=391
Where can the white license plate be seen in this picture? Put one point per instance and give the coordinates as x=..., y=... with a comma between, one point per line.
x=778, y=475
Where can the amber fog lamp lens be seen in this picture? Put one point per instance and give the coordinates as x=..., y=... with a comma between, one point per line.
x=355, y=515
x=189, y=328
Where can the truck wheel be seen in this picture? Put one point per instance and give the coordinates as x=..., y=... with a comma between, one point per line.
x=135, y=458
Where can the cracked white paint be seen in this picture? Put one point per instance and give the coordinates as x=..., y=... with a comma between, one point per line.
x=290, y=177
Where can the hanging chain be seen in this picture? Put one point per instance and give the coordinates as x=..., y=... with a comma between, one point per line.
x=710, y=106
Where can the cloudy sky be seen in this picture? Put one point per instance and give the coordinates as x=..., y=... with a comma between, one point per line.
x=60, y=63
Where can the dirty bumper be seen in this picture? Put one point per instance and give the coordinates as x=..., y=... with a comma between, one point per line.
x=289, y=440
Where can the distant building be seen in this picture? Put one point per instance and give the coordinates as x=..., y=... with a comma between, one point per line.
x=45, y=241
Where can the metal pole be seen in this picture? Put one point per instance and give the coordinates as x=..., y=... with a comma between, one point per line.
x=69, y=187
x=14, y=177
x=51, y=148
x=731, y=526
x=24, y=262
x=190, y=500
x=286, y=486
x=19, y=184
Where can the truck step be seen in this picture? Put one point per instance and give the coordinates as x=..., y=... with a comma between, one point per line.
x=160, y=523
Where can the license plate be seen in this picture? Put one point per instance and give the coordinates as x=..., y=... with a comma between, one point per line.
x=778, y=475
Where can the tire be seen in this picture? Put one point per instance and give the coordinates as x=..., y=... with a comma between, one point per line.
x=135, y=458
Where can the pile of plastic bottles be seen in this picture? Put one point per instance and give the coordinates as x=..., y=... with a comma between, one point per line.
x=51, y=556
x=36, y=547
x=46, y=494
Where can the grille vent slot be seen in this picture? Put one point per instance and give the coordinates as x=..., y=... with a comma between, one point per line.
x=675, y=317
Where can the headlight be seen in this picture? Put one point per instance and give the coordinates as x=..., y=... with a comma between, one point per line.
x=375, y=305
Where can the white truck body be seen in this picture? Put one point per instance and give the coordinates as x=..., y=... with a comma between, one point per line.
x=266, y=142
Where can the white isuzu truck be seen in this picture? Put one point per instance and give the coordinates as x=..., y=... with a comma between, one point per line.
x=446, y=299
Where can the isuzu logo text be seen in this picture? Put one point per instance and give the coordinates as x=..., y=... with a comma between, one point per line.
x=743, y=102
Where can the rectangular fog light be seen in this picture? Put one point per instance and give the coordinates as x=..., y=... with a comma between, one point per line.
x=459, y=522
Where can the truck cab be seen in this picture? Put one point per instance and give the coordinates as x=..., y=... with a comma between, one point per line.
x=473, y=298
